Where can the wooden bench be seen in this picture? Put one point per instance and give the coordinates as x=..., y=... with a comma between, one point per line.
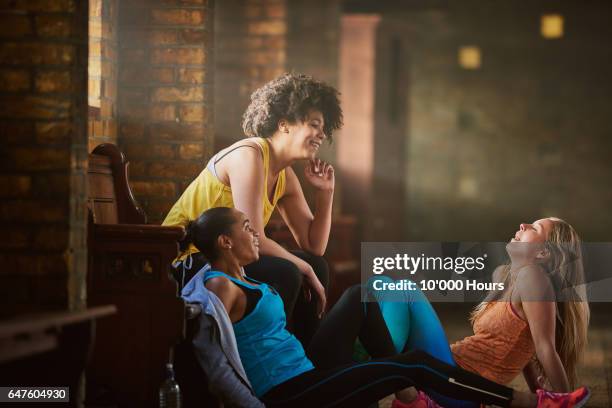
x=129, y=266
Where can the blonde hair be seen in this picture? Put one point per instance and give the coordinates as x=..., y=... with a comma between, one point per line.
x=565, y=268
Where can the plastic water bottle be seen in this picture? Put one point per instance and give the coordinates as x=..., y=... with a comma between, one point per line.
x=169, y=392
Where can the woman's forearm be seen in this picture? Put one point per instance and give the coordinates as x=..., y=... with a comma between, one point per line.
x=553, y=368
x=318, y=234
x=531, y=376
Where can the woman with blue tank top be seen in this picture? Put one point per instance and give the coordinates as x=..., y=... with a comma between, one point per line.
x=283, y=374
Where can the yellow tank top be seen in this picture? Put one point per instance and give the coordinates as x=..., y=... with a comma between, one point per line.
x=207, y=191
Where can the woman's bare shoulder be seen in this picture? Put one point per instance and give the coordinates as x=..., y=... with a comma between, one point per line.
x=533, y=284
x=242, y=154
x=499, y=273
x=246, y=144
x=220, y=285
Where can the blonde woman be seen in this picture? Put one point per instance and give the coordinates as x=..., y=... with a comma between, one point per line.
x=537, y=325
x=524, y=328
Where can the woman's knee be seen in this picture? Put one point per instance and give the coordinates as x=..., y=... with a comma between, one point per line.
x=321, y=269
x=352, y=294
x=289, y=273
x=319, y=264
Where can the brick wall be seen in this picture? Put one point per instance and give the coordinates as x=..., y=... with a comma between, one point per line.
x=524, y=136
x=102, y=82
x=265, y=51
x=43, y=68
x=250, y=46
x=165, y=96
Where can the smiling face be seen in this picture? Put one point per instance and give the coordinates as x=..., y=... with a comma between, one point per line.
x=244, y=240
x=536, y=232
x=305, y=138
x=528, y=242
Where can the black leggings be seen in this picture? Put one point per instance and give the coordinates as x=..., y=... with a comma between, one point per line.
x=286, y=278
x=337, y=381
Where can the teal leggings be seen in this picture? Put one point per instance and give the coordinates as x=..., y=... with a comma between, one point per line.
x=414, y=325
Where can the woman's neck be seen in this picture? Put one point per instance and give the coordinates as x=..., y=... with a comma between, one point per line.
x=280, y=153
x=518, y=262
x=516, y=265
x=229, y=266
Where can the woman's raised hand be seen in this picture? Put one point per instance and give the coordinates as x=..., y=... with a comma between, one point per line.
x=320, y=174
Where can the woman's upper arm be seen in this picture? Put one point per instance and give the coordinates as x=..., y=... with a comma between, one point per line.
x=246, y=177
x=537, y=300
x=295, y=210
x=224, y=290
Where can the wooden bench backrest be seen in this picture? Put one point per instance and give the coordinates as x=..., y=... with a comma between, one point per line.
x=110, y=198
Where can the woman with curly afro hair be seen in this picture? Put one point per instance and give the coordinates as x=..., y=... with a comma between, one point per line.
x=287, y=120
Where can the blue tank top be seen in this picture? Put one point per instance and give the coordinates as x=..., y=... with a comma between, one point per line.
x=269, y=353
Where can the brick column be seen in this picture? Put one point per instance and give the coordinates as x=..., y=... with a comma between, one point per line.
x=102, y=83
x=265, y=51
x=43, y=73
x=165, y=96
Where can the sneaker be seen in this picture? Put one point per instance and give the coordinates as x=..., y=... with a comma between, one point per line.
x=422, y=401
x=576, y=399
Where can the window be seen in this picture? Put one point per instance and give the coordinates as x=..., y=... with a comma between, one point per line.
x=469, y=57
x=551, y=26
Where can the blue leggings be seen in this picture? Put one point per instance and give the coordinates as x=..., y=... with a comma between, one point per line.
x=414, y=325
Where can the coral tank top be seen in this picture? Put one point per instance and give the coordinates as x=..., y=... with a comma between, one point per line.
x=500, y=347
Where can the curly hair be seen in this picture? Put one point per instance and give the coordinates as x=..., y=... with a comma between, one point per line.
x=291, y=97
